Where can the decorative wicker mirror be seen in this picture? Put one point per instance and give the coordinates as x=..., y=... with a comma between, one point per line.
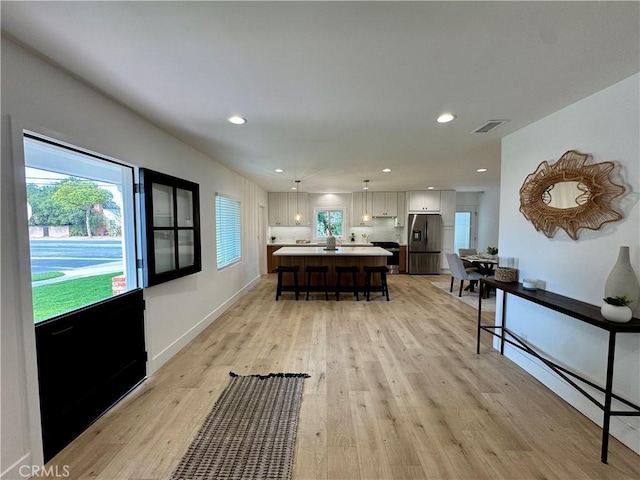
x=570, y=194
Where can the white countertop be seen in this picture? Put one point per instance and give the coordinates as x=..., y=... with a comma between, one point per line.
x=343, y=251
x=320, y=244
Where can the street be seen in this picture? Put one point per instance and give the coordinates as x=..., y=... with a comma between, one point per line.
x=49, y=255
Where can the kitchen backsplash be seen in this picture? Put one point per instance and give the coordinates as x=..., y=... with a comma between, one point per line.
x=382, y=230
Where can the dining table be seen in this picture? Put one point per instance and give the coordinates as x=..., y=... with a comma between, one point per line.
x=484, y=265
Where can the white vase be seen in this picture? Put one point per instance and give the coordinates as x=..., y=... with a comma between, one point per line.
x=622, y=280
x=331, y=242
x=615, y=313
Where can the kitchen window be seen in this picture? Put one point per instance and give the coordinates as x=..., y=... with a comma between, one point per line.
x=323, y=218
x=228, y=231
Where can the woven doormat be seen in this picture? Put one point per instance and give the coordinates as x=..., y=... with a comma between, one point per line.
x=250, y=433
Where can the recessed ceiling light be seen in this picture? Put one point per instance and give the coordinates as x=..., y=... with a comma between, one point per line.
x=386, y=170
x=430, y=188
x=445, y=117
x=293, y=188
x=481, y=170
x=237, y=120
x=278, y=170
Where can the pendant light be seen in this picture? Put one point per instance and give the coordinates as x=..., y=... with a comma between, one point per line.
x=365, y=213
x=298, y=216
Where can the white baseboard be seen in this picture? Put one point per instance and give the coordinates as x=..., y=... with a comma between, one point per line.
x=167, y=353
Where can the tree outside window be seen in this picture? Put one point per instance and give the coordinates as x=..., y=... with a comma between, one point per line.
x=329, y=219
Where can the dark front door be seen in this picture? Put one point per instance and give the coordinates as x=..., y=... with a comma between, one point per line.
x=87, y=360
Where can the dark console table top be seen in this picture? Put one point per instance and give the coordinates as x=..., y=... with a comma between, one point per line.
x=569, y=306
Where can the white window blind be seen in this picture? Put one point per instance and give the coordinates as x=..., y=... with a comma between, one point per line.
x=228, y=237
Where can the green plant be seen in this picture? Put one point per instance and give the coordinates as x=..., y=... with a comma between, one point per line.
x=492, y=250
x=619, y=301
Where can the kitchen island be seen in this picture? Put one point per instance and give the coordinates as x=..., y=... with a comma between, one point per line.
x=343, y=256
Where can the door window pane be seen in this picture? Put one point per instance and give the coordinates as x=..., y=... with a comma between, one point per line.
x=462, y=230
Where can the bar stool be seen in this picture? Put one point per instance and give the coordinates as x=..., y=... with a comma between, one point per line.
x=354, y=280
x=319, y=269
x=296, y=288
x=382, y=270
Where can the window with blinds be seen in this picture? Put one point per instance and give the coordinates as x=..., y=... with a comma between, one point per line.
x=228, y=235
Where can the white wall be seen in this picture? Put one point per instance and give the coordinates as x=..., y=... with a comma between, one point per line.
x=40, y=97
x=488, y=218
x=607, y=126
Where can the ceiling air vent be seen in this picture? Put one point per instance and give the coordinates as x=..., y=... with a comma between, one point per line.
x=489, y=125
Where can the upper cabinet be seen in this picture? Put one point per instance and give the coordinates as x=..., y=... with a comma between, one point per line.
x=402, y=210
x=424, y=201
x=278, y=208
x=385, y=204
x=358, y=208
x=283, y=207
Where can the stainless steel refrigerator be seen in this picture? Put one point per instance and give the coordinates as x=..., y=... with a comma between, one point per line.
x=424, y=243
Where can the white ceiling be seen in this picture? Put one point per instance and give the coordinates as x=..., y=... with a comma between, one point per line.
x=336, y=91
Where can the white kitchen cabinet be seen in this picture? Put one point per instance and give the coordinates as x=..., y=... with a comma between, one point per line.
x=283, y=206
x=358, y=208
x=302, y=205
x=278, y=209
x=448, y=207
x=402, y=210
x=385, y=204
x=424, y=201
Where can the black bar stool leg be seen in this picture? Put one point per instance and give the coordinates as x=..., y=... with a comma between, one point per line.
x=384, y=285
x=354, y=277
x=326, y=287
x=279, y=287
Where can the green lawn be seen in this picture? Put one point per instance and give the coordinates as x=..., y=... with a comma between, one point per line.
x=57, y=298
x=36, y=277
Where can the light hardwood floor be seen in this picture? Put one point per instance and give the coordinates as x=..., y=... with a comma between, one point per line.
x=396, y=391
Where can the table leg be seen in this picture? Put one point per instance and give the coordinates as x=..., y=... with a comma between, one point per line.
x=479, y=317
x=607, y=397
x=503, y=321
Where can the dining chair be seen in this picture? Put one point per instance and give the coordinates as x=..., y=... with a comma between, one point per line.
x=458, y=270
x=463, y=252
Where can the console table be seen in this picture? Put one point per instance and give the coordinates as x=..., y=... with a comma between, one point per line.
x=581, y=311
